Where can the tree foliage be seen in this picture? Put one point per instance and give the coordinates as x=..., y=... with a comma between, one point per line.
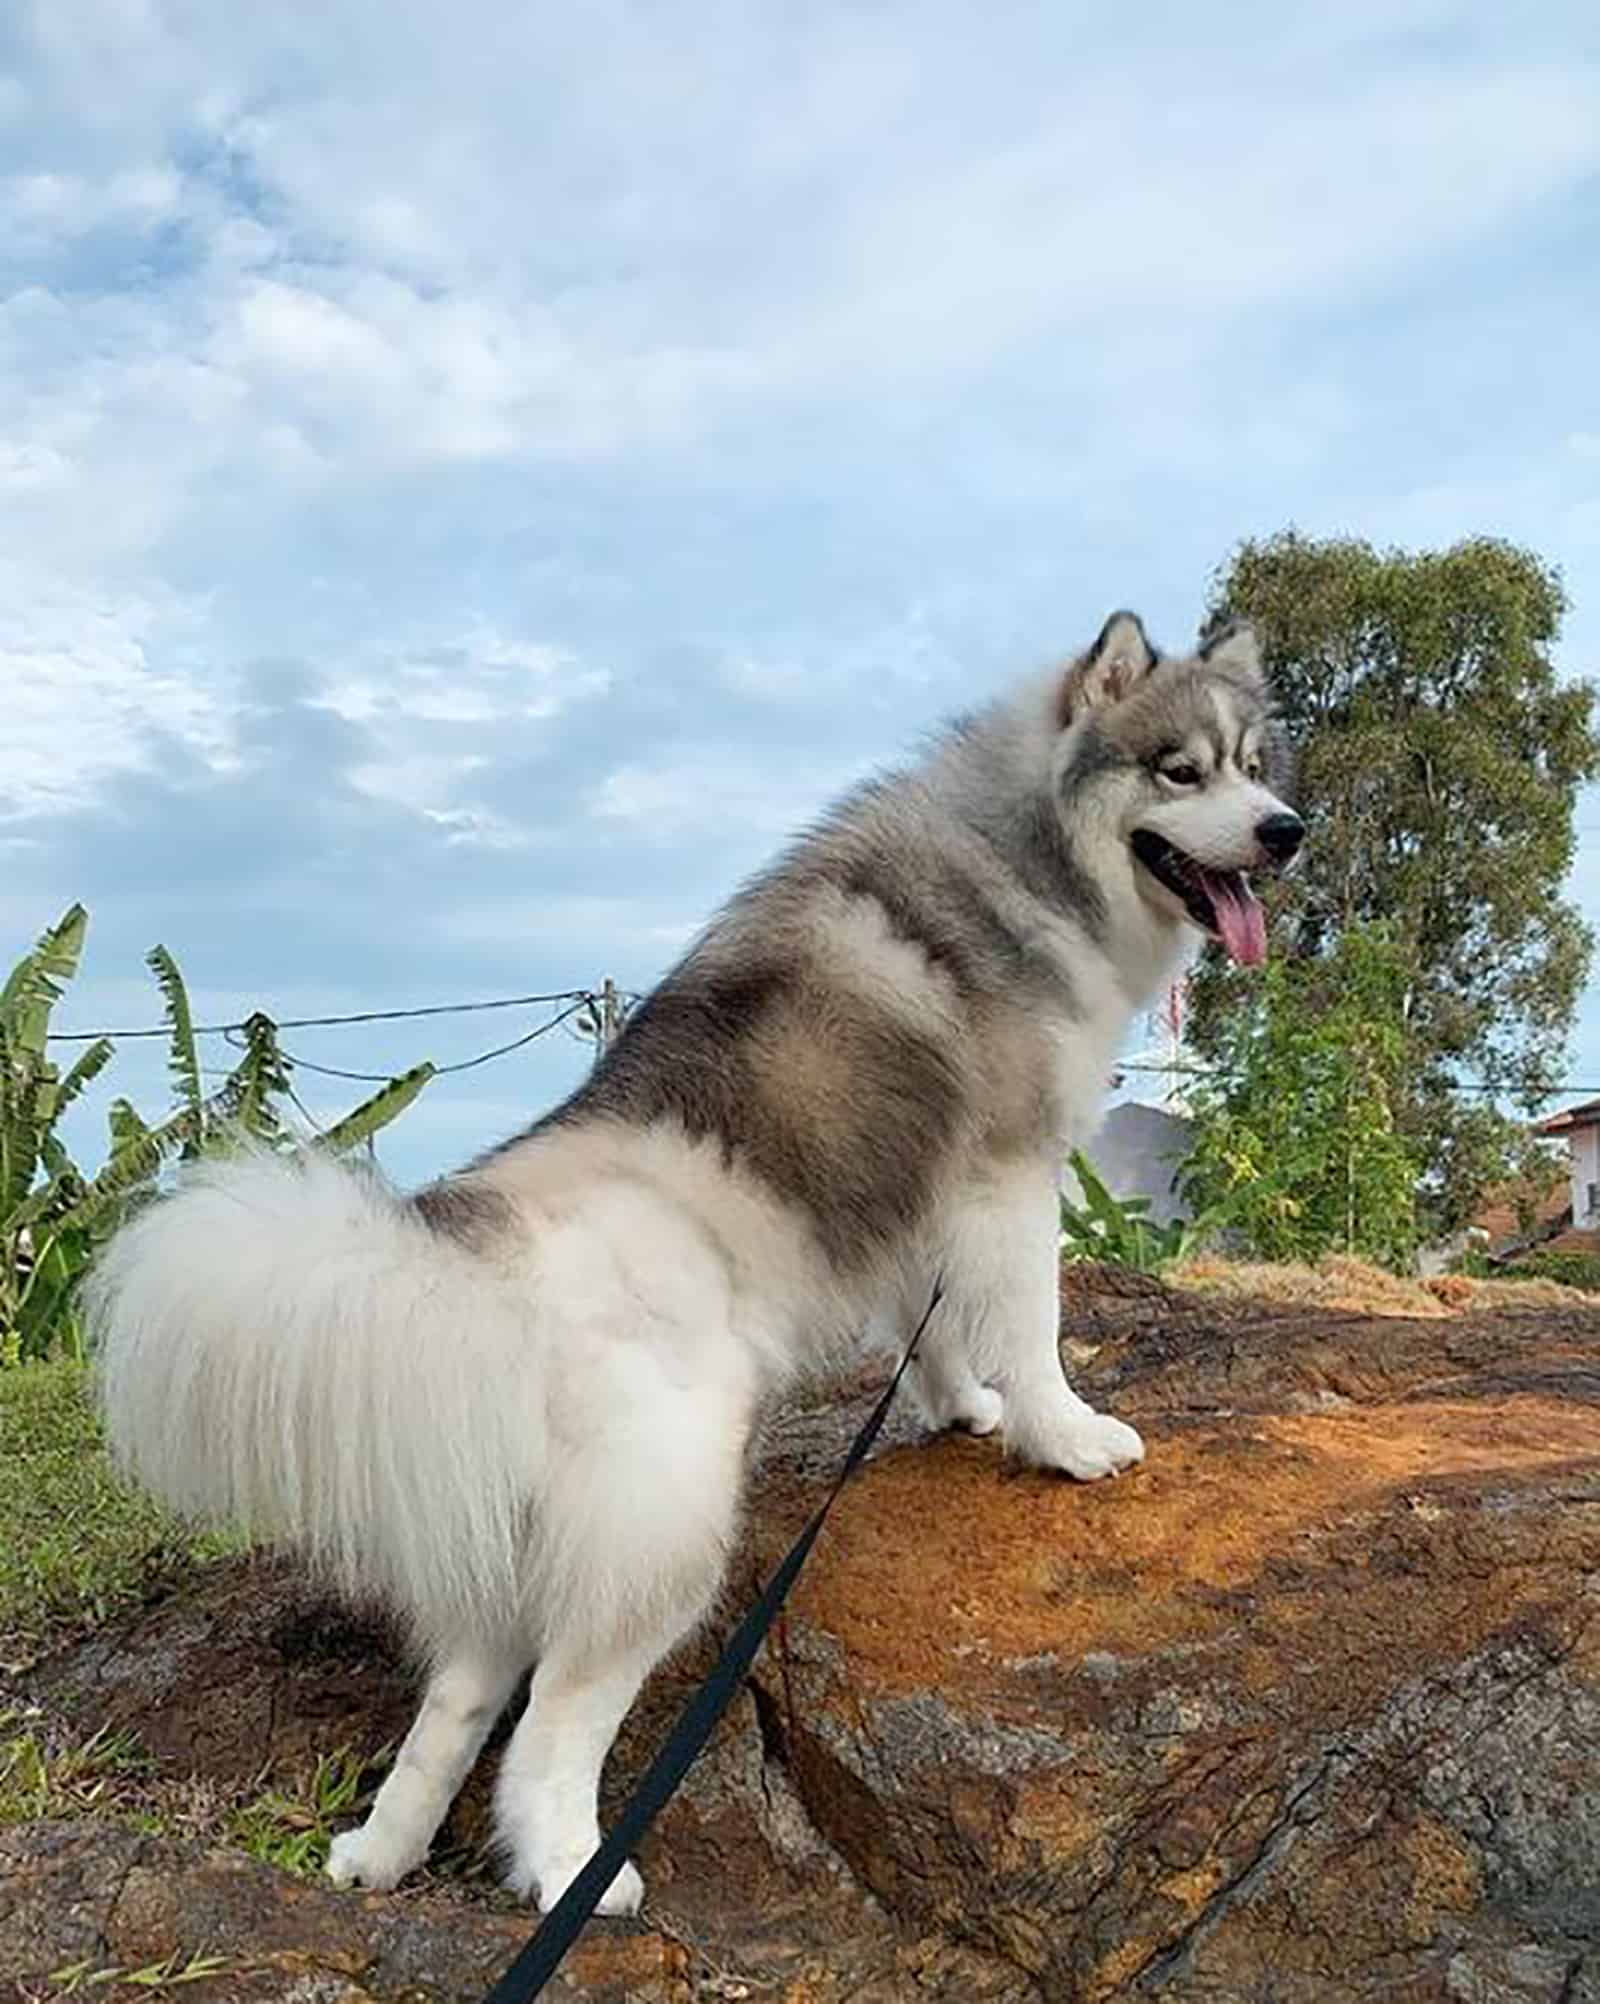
x=1440, y=759
x=1296, y=1141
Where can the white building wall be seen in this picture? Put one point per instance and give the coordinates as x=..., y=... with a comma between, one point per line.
x=1585, y=1145
x=1137, y=1153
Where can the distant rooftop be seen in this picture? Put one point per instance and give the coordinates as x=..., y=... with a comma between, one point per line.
x=1585, y=1114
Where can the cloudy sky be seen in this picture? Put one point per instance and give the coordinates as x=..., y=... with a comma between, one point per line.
x=472, y=476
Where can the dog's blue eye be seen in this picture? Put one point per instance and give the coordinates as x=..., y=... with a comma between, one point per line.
x=1184, y=773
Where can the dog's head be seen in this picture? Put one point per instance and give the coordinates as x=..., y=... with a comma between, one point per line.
x=1180, y=761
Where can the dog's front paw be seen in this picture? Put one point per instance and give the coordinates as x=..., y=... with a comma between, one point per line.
x=1085, y=1445
x=368, y=1857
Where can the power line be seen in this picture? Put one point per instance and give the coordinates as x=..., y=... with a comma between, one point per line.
x=576, y=999
x=439, y=1071
x=329, y=1022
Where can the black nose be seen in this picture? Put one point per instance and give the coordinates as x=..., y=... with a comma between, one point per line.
x=1281, y=835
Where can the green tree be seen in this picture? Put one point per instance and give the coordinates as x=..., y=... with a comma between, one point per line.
x=1297, y=1143
x=1440, y=759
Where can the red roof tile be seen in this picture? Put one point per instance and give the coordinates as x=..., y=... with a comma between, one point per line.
x=1585, y=1114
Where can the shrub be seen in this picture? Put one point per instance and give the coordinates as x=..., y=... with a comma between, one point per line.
x=1569, y=1269
x=1297, y=1140
x=1119, y=1230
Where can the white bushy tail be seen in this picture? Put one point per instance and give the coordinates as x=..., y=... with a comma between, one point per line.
x=285, y=1346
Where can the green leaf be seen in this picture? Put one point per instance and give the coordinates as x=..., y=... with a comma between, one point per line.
x=22, y=1141
x=35, y=984
x=1098, y=1200
x=87, y=1069
x=56, y=1194
x=246, y=1099
x=183, y=1057
x=126, y=1124
x=129, y=1169
x=1113, y=1229
x=365, y=1120
x=43, y=1308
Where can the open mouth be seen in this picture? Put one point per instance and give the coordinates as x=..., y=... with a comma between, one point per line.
x=1220, y=902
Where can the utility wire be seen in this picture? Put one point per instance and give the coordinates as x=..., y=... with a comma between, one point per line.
x=331, y=1022
x=439, y=1071
x=576, y=999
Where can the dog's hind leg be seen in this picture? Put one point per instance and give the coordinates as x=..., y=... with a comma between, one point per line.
x=645, y=1528
x=465, y=1696
x=947, y=1388
x=546, y=1813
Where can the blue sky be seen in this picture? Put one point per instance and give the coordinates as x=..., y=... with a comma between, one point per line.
x=473, y=477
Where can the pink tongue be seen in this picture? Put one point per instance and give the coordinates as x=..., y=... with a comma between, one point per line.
x=1240, y=919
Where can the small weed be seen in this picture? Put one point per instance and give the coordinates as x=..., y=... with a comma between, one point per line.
x=80, y=1979
x=293, y=1828
x=37, y=1780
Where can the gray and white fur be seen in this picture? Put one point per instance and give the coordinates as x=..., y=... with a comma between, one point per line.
x=517, y=1404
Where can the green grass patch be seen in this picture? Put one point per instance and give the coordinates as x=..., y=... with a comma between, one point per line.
x=39, y=1779
x=49, y=1771
x=293, y=1827
x=75, y=1543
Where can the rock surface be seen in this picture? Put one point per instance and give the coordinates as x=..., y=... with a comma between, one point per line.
x=1305, y=1710
x=77, y=1896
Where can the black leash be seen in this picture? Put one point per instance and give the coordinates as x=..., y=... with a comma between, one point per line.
x=560, y=1928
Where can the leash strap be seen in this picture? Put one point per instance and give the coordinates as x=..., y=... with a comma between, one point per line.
x=560, y=1928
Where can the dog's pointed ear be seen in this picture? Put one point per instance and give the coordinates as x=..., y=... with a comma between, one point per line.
x=1231, y=645
x=1113, y=667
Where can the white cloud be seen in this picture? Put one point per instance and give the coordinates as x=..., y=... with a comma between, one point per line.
x=568, y=929
x=437, y=715
x=477, y=828
x=93, y=687
x=86, y=697
x=419, y=781
x=601, y=239
x=1242, y=200
x=41, y=211
x=780, y=370
x=392, y=371
x=599, y=243
x=714, y=795
x=480, y=677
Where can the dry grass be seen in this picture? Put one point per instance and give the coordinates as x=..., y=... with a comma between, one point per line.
x=1354, y=1287
x=1463, y=1292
